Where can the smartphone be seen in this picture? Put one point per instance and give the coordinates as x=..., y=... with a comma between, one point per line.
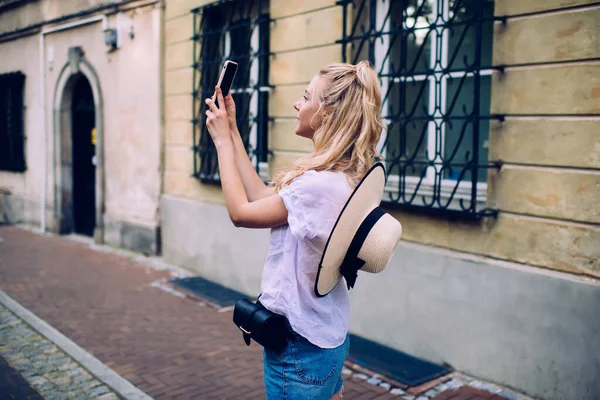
x=226, y=77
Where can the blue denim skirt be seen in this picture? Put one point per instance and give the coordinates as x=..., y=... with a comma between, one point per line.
x=304, y=371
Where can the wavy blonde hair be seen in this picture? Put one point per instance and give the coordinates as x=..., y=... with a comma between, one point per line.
x=346, y=139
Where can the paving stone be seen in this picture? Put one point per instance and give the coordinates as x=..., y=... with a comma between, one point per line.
x=510, y=396
x=490, y=387
x=374, y=381
x=68, y=366
x=40, y=383
x=82, y=378
x=62, y=380
x=441, y=387
x=29, y=373
x=475, y=384
x=43, y=366
x=75, y=372
x=54, y=396
x=454, y=384
x=98, y=391
x=107, y=396
x=74, y=394
x=61, y=361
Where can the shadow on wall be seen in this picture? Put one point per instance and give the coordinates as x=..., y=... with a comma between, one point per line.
x=4, y=209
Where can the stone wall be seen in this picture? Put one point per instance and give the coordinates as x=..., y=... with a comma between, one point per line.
x=548, y=188
x=501, y=298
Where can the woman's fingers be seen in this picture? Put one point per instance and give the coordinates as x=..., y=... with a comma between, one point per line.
x=219, y=95
x=210, y=116
x=211, y=104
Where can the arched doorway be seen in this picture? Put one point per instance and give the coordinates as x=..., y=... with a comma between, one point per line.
x=78, y=137
x=83, y=138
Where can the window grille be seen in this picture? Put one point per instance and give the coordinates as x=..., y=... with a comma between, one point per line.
x=12, y=137
x=434, y=62
x=8, y=4
x=235, y=30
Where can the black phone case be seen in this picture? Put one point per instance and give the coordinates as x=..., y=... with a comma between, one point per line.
x=227, y=80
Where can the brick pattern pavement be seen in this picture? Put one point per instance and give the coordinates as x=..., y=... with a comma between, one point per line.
x=168, y=346
x=40, y=367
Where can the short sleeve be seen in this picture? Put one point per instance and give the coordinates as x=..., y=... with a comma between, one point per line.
x=314, y=201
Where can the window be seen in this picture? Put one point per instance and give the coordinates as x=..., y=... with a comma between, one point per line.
x=239, y=31
x=434, y=61
x=12, y=138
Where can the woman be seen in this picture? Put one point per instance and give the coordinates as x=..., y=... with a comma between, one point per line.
x=340, y=113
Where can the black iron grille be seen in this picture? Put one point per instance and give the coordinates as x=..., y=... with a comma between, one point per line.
x=434, y=61
x=232, y=30
x=12, y=137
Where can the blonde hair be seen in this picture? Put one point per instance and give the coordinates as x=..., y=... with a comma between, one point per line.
x=347, y=137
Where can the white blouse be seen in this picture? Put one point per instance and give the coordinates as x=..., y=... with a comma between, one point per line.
x=314, y=201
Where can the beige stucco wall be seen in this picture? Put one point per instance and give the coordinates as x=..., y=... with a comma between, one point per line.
x=36, y=11
x=23, y=55
x=548, y=189
x=130, y=82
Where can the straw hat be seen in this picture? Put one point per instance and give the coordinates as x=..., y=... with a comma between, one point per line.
x=363, y=237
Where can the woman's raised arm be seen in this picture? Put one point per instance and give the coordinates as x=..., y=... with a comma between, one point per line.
x=267, y=211
x=254, y=186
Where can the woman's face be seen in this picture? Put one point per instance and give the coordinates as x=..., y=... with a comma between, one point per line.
x=308, y=119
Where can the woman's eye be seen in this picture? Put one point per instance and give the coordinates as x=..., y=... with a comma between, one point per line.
x=305, y=98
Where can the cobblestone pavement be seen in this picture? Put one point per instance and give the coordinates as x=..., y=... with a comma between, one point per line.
x=119, y=309
x=13, y=385
x=48, y=370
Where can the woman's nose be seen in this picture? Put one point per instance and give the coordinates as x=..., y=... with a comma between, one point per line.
x=296, y=106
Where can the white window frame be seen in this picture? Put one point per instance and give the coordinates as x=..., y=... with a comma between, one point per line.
x=447, y=185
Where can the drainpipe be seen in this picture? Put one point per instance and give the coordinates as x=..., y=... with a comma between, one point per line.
x=43, y=33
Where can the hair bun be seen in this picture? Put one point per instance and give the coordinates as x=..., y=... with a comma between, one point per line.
x=365, y=72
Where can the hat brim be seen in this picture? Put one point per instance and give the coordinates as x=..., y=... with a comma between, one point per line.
x=366, y=196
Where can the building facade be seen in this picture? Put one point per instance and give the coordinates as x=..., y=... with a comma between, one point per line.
x=493, y=154
x=81, y=126
x=492, y=148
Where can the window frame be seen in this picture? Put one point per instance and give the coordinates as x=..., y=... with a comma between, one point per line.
x=256, y=142
x=403, y=190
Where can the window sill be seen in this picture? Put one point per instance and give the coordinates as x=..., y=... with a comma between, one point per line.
x=449, y=197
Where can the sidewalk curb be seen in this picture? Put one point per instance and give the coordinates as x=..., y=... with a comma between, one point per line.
x=117, y=383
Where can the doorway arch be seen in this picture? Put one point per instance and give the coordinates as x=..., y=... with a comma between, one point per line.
x=77, y=78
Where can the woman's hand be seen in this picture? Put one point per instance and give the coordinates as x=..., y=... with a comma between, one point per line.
x=217, y=120
x=230, y=108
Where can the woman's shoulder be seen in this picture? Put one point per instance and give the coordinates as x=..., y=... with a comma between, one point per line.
x=325, y=180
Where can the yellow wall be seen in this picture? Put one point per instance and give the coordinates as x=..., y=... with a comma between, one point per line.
x=549, y=186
